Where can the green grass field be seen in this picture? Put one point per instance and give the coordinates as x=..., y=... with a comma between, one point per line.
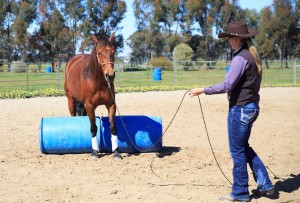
x=31, y=78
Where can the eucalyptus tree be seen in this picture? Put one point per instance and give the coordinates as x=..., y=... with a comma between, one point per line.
x=173, y=24
x=286, y=18
x=25, y=14
x=140, y=50
x=265, y=40
x=74, y=13
x=205, y=13
x=279, y=30
x=7, y=18
x=53, y=32
x=3, y=10
x=102, y=18
x=148, y=28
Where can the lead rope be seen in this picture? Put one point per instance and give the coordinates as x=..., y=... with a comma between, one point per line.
x=109, y=87
x=210, y=142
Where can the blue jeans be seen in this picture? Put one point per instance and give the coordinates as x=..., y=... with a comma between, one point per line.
x=240, y=121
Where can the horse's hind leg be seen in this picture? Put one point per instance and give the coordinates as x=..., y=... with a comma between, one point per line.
x=80, y=109
x=72, y=106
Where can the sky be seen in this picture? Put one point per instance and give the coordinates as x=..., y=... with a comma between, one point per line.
x=128, y=22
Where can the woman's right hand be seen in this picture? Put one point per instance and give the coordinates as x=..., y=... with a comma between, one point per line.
x=196, y=91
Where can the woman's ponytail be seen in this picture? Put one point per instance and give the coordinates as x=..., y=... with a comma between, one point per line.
x=255, y=55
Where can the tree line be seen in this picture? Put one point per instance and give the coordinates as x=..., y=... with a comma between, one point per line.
x=55, y=30
x=163, y=25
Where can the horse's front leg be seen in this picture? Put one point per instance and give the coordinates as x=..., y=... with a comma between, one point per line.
x=113, y=130
x=95, y=144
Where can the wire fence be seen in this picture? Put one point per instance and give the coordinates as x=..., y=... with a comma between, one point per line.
x=23, y=76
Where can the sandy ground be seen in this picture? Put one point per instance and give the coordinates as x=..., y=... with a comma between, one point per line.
x=185, y=171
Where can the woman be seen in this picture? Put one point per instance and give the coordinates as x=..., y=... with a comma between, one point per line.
x=242, y=84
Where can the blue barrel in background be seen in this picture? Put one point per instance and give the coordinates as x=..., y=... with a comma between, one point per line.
x=66, y=135
x=71, y=135
x=157, y=74
x=227, y=68
x=48, y=69
x=144, y=134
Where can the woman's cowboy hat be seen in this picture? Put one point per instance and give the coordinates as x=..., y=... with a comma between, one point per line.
x=238, y=29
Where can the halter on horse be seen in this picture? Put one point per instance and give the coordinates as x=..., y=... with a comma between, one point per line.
x=89, y=83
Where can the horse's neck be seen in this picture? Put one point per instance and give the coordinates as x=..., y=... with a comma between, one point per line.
x=93, y=69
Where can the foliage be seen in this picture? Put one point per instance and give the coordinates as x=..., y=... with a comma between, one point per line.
x=102, y=19
x=162, y=62
x=279, y=35
x=52, y=30
x=156, y=20
x=183, y=53
x=140, y=49
x=17, y=94
x=22, y=94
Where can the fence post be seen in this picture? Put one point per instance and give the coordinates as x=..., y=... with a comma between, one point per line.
x=119, y=74
x=27, y=74
x=147, y=73
x=58, y=77
x=175, y=73
x=295, y=74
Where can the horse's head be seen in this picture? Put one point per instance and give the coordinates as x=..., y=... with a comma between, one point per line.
x=105, y=51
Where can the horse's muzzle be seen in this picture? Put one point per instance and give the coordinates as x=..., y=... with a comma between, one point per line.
x=109, y=78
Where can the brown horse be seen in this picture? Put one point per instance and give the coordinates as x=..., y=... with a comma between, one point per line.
x=89, y=83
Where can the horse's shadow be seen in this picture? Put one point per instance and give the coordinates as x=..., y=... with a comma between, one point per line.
x=286, y=185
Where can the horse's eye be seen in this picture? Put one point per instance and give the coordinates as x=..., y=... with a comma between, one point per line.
x=99, y=54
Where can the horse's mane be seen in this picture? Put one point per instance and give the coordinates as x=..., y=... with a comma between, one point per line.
x=92, y=67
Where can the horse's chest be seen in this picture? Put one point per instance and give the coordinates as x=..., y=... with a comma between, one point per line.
x=97, y=93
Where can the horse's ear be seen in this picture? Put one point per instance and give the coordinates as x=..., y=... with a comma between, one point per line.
x=95, y=39
x=112, y=37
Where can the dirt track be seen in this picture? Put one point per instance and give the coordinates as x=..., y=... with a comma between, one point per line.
x=184, y=171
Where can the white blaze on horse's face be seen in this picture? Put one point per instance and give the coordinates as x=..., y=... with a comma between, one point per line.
x=105, y=57
x=105, y=53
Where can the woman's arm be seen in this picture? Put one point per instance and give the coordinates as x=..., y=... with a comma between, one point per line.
x=237, y=69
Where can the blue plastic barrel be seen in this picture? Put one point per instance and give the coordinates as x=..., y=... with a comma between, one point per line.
x=142, y=134
x=48, y=69
x=68, y=135
x=227, y=68
x=156, y=74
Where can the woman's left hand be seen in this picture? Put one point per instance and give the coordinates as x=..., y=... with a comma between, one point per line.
x=196, y=91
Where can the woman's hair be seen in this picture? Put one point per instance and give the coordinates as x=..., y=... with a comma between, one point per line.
x=254, y=53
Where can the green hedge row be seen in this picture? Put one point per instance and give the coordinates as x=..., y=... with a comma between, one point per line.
x=17, y=94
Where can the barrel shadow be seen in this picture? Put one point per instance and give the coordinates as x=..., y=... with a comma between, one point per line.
x=168, y=151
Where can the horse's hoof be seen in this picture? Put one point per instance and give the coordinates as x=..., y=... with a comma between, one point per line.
x=117, y=156
x=95, y=155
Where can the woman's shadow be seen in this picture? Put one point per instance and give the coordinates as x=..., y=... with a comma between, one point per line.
x=286, y=185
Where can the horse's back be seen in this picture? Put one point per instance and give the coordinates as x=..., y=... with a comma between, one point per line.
x=73, y=74
x=76, y=64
